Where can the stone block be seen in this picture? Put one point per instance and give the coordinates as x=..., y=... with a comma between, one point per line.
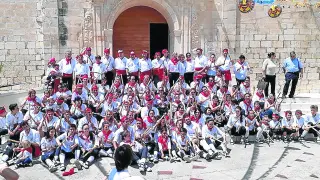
x=259, y=37
x=10, y=45
x=14, y=51
x=266, y=44
x=313, y=76
x=38, y=72
x=1, y=45
x=31, y=44
x=300, y=37
x=305, y=31
x=254, y=44
x=24, y=51
x=288, y=37
x=21, y=45
x=277, y=44
x=291, y=31
x=32, y=51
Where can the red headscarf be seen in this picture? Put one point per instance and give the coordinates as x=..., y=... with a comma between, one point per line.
x=175, y=61
x=163, y=141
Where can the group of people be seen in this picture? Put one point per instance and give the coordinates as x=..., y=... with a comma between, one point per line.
x=170, y=109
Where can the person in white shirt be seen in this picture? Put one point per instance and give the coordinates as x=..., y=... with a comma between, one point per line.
x=90, y=120
x=158, y=68
x=299, y=119
x=105, y=138
x=88, y=57
x=289, y=126
x=48, y=147
x=81, y=69
x=48, y=120
x=79, y=93
x=189, y=68
x=98, y=69
x=213, y=137
x=252, y=125
x=30, y=102
x=32, y=136
x=211, y=67
x=122, y=158
x=77, y=109
x=132, y=65
x=269, y=68
x=3, y=127
x=34, y=118
x=258, y=96
x=67, y=143
x=118, y=134
x=145, y=110
x=165, y=56
x=184, y=147
x=13, y=120
x=237, y=125
x=247, y=104
x=64, y=124
x=200, y=63
x=275, y=126
x=197, y=84
x=66, y=67
x=108, y=61
x=88, y=144
x=224, y=63
x=120, y=66
x=241, y=69
x=145, y=65
x=312, y=123
x=175, y=69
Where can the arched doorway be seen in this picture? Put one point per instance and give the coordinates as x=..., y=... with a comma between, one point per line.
x=140, y=28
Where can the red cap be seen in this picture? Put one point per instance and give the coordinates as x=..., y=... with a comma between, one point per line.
x=225, y=51
x=132, y=53
x=60, y=100
x=110, y=95
x=88, y=110
x=107, y=50
x=3, y=110
x=94, y=87
x=164, y=51
x=199, y=76
x=123, y=118
x=79, y=86
x=85, y=76
x=157, y=54
x=52, y=60
x=88, y=49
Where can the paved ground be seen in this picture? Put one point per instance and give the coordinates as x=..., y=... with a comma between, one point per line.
x=279, y=161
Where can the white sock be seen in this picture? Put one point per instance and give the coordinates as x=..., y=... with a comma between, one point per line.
x=5, y=158
x=155, y=153
x=304, y=133
x=102, y=152
x=90, y=159
x=212, y=147
x=174, y=154
x=77, y=154
x=143, y=160
x=56, y=158
x=62, y=158
x=110, y=151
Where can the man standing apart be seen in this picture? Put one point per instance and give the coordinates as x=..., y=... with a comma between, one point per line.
x=293, y=69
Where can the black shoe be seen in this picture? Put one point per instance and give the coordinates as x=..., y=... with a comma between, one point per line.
x=283, y=96
x=291, y=96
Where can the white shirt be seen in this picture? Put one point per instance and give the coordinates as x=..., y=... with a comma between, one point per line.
x=3, y=123
x=84, y=120
x=11, y=119
x=47, y=124
x=121, y=175
x=178, y=68
x=300, y=121
x=48, y=144
x=98, y=70
x=95, y=99
x=82, y=69
x=215, y=132
x=274, y=124
x=64, y=94
x=67, y=142
x=77, y=111
x=108, y=62
x=197, y=87
x=32, y=137
x=36, y=117
x=314, y=119
x=67, y=68
x=192, y=128
x=226, y=63
x=118, y=137
x=246, y=107
x=83, y=96
x=64, y=125
x=120, y=64
x=89, y=59
x=241, y=71
x=31, y=104
x=103, y=139
x=233, y=120
x=145, y=65
x=159, y=63
x=86, y=144
x=200, y=61
x=109, y=107
x=132, y=65
x=189, y=66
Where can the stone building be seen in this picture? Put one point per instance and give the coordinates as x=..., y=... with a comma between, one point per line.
x=32, y=31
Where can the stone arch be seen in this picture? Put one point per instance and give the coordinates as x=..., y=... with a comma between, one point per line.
x=159, y=5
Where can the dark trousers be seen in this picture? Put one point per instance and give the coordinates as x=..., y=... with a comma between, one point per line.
x=288, y=131
x=272, y=81
x=125, y=79
x=293, y=85
x=109, y=76
x=173, y=77
x=239, y=81
x=188, y=77
x=156, y=80
x=240, y=132
x=68, y=81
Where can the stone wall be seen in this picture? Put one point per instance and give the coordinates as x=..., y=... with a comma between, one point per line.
x=32, y=31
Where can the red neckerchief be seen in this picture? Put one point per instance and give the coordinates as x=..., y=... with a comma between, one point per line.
x=257, y=109
x=205, y=93
x=86, y=139
x=177, y=131
x=163, y=142
x=32, y=99
x=106, y=135
x=214, y=104
x=149, y=119
x=210, y=129
x=227, y=104
x=177, y=101
x=242, y=64
x=174, y=61
x=248, y=104
x=68, y=60
x=210, y=84
x=132, y=84
x=157, y=97
x=260, y=95
x=69, y=138
x=195, y=119
x=147, y=97
x=251, y=118
x=29, y=149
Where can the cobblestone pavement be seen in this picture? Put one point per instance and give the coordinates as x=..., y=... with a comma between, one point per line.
x=279, y=161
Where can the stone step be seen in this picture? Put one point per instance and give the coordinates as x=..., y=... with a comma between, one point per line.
x=302, y=106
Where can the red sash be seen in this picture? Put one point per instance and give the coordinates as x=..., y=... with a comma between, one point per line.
x=120, y=72
x=65, y=75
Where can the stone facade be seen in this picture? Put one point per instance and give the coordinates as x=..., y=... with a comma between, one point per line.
x=32, y=31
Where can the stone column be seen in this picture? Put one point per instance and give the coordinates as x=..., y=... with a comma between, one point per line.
x=108, y=33
x=177, y=41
